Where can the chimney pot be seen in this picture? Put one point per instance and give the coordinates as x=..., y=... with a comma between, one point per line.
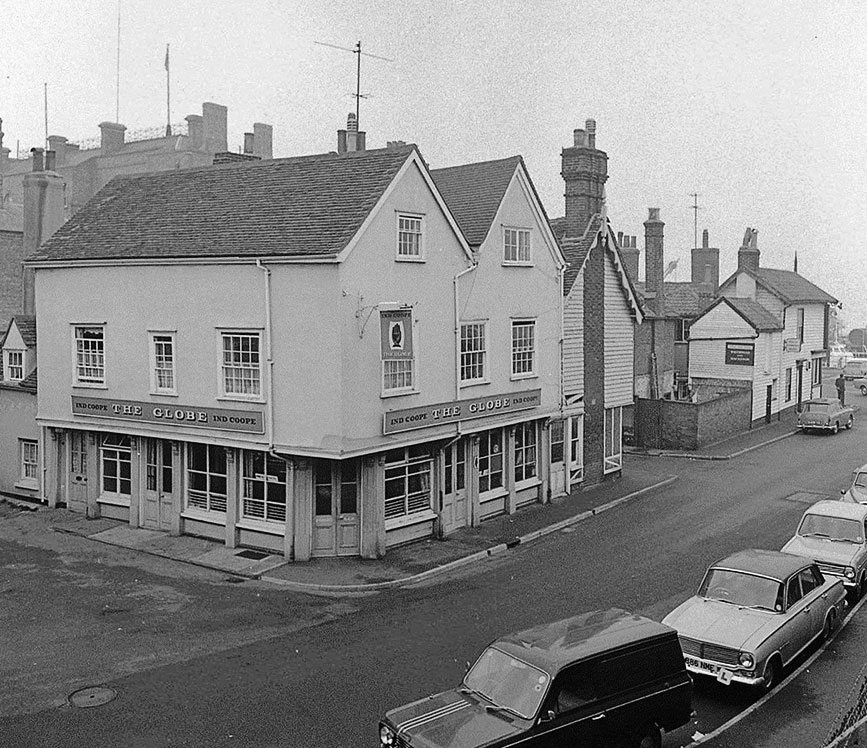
x=38, y=164
x=351, y=122
x=579, y=138
x=653, y=214
x=704, y=239
x=590, y=125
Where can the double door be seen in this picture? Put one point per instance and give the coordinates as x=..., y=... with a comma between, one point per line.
x=454, y=486
x=336, y=493
x=159, y=485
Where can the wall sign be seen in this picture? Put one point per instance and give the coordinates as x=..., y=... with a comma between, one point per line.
x=396, y=333
x=791, y=345
x=740, y=354
x=459, y=410
x=250, y=421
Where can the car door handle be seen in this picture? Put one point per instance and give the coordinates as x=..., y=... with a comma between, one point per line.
x=598, y=717
x=806, y=610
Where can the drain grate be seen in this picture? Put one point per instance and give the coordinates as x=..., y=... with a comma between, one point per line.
x=255, y=555
x=805, y=497
x=92, y=696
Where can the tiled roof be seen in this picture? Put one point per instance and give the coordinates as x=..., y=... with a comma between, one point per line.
x=792, y=287
x=681, y=300
x=474, y=192
x=754, y=313
x=575, y=251
x=305, y=206
x=26, y=324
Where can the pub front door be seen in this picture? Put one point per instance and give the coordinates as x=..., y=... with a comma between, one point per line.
x=336, y=491
x=159, y=485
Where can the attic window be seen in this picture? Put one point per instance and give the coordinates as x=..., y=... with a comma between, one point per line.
x=409, y=237
x=516, y=246
x=13, y=370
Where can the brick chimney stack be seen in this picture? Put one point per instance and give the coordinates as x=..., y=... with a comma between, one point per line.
x=351, y=139
x=44, y=213
x=654, y=259
x=629, y=253
x=705, y=267
x=748, y=254
x=111, y=136
x=585, y=171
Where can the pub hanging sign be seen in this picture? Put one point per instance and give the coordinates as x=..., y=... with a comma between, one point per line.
x=740, y=354
x=396, y=334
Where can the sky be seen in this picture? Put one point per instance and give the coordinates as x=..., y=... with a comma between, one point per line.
x=758, y=107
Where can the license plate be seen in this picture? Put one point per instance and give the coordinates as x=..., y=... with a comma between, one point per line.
x=699, y=664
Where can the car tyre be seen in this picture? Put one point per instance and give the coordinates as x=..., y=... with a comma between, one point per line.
x=828, y=626
x=772, y=674
x=864, y=389
x=849, y=422
x=649, y=737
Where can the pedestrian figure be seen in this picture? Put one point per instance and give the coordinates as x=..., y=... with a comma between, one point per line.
x=840, y=384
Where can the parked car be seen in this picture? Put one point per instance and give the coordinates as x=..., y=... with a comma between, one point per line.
x=855, y=368
x=834, y=535
x=825, y=414
x=598, y=679
x=860, y=384
x=857, y=492
x=754, y=612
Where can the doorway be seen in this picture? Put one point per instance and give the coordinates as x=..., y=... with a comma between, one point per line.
x=158, y=489
x=769, y=397
x=77, y=484
x=558, y=458
x=336, y=486
x=454, y=483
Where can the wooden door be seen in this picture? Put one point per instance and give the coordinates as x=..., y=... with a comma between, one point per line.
x=158, y=486
x=454, y=485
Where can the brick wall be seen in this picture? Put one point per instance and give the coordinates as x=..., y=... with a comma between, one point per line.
x=11, y=255
x=594, y=371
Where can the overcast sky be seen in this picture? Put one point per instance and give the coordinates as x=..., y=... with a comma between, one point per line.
x=757, y=106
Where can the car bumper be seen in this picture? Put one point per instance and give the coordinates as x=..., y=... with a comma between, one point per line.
x=722, y=673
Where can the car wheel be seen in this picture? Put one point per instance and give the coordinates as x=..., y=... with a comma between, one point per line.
x=864, y=389
x=861, y=588
x=772, y=674
x=849, y=422
x=828, y=626
x=649, y=737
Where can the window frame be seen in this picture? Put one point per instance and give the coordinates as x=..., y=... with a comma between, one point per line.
x=251, y=333
x=518, y=260
x=267, y=479
x=481, y=352
x=101, y=364
x=613, y=460
x=681, y=330
x=530, y=324
x=413, y=464
x=410, y=216
x=525, y=450
x=396, y=363
x=210, y=497
x=486, y=458
x=788, y=383
x=154, y=373
x=799, y=333
x=8, y=366
x=816, y=372
x=25, y=480
x=121, y=455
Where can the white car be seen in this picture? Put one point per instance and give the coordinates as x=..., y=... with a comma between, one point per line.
x=834, y=535
x=860, y=384
x=857, y=492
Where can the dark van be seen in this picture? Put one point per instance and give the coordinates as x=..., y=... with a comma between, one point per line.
x=606, y=678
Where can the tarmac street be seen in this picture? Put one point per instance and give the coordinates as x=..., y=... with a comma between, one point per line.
x=201, y=657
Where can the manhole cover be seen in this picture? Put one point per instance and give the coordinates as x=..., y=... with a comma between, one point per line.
x=92, y=696
x=255, y=555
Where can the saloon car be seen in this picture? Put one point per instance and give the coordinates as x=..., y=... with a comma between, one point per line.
x=754, y=612
x=857, y=492
x=605, y=678
x=834, y=535
x=825, y=414
x=860, y=384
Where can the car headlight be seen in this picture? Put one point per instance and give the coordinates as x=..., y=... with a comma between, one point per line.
x=849, y=572
x=386, y=736
x=746, y=660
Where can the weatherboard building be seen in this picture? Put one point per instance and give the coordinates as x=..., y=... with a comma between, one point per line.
x=308, y=356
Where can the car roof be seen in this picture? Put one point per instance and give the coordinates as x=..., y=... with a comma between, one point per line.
x=774, y=564
x=834, y=508
x=822, y=400
x=552, y=646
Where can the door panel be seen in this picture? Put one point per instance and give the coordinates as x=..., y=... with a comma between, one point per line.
x=158, y=486
x=336, y=487
x=454, y=486
x=77, y=483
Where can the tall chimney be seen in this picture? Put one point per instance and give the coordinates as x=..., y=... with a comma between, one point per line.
x=705, y=267
x=214, y=130
x=44, y=213
x=57, y=143
x=654, y=260
x=748, y=254
x=585, y=171
x=111, y=136
x=629, y=253
x=263, y=136
x=248, y=143
x=195, y=131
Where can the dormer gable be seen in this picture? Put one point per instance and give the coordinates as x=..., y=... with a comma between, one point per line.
x=18, y=349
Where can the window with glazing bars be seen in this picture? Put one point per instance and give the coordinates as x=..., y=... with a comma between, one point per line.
x=407, y=481
x=29, y=460
x=525, y=451
x=473, y=351
x=241, y=364
x=116, y=459
x=90, y=355
x=397, y=374
x=490, y=460
x=409, y=236
x=164, y=363
x=206, y=477
x=14, y=366
x=516, y=245
x=264, y=495
x=523, y=348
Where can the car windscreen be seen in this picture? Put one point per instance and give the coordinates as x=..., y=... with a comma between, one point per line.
x=860, y=480
x=741, y=588
x=831, y=528
x=508, y=682
x=816, y=407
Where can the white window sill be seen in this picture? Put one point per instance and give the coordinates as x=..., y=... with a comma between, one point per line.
x=260, y=525
x=113, y=499
x=241, y=399
x=399, y=258
x=156, y=393
x=89, y=386
x=410, y=519
x=518, y=377
x=28, y=484
x=518, y=263
x=397, y=393
x=474, y=382
x=200, y=515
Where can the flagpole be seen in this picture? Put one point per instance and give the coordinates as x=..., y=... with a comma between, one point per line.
x=168, y=96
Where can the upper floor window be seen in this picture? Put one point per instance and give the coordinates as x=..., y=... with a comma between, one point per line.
x=523, y=348
x=163, y=362
x=13, y=365
x=681, y=328
x=409, y=237
x=397, y=374
x=242, y=365
x=90, y=354
x=473, y=352
x=801, y=325
x=516, y=246
x=817, y=371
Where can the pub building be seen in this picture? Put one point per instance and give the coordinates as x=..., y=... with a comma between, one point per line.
x=308, y=356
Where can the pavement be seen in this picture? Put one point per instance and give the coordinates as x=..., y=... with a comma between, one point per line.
x=830, y=691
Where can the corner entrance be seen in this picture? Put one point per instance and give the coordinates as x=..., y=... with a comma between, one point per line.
x=454, y=483
x=158, y=488
x=335, y=507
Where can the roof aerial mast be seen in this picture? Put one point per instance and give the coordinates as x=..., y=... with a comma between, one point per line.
x=358, y=96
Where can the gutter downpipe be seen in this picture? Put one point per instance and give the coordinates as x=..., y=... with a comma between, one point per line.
x=562, y=394
x=270, y=358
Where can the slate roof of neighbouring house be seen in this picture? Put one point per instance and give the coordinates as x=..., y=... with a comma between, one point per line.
x=474, y=193
x=754, y=313
x=304, y=206
x=789, y=286
x=681, y=300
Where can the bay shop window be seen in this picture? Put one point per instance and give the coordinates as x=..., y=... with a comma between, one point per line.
x=408, y=482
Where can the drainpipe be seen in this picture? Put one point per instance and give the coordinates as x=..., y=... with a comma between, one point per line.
x=458, y=332
x=561, y=395
x=269, y=357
